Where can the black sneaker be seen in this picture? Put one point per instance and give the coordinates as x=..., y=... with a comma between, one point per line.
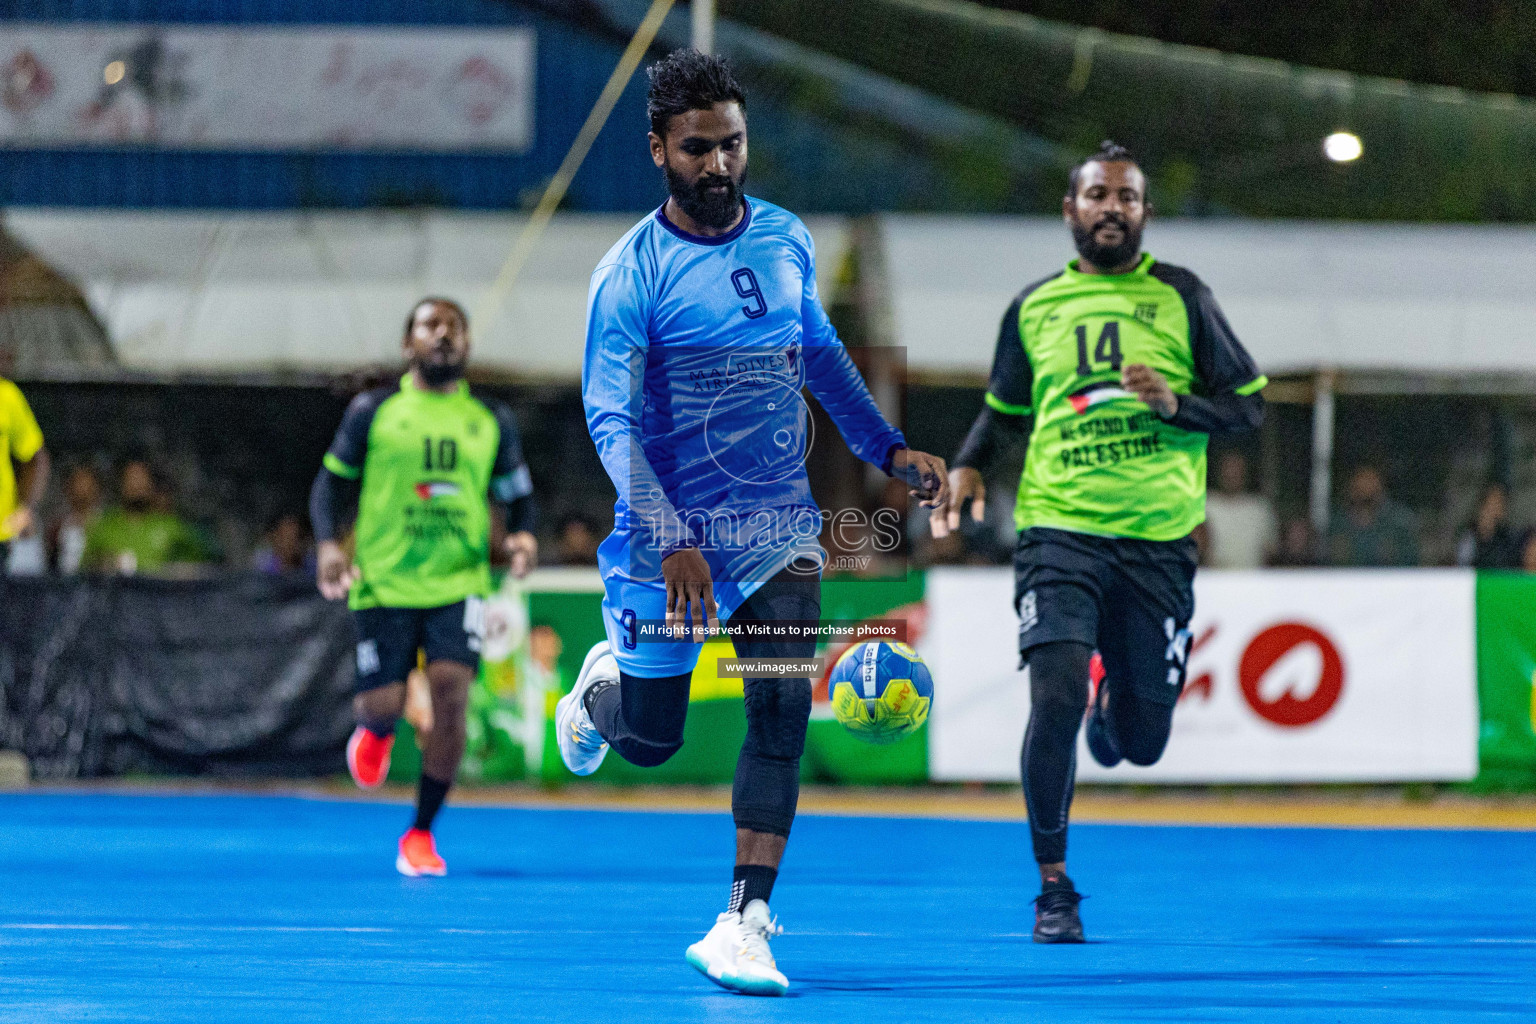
x=1056, y=917
x=1097, y=732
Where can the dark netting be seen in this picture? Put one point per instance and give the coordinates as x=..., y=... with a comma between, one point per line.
x=1217, y=132
x=240, y=676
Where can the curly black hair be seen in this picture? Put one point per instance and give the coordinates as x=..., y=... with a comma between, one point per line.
x=687, y=80
x=1110, y=152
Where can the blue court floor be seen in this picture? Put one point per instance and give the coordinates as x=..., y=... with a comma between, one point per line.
x=279, y=910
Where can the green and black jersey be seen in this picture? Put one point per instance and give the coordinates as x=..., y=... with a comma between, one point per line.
x=1100, y=461
x=428, y=465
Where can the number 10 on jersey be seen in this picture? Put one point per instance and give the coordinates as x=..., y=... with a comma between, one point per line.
x=441, y=455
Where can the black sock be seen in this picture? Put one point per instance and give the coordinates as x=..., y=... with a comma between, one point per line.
x=590, y=699
x=430, y=795
x=751, y=882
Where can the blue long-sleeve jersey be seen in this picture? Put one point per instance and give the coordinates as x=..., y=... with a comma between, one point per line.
x=697, y=351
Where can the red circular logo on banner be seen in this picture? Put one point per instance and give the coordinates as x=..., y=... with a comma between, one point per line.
x=1265, y=650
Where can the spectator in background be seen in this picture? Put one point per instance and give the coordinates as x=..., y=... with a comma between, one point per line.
x=1528, y=551
x=139, y=536
x=1298, y=547
x=287, y=548
x=82, y=507
x=1241, y=525
x=23, y=463
x=1488, y=541
x=575, y=541
x=1371, y=529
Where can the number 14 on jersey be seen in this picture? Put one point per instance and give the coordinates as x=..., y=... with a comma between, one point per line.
x=1105, y=351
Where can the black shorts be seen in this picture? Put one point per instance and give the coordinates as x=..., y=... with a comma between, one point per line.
x=1130, y=599
x=388, y=639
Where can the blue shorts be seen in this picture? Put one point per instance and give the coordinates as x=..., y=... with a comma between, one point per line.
x=635, y=594
x=388, y=639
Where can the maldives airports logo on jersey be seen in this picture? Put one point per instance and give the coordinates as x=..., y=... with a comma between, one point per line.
x=1086, y=398
x=429, y=489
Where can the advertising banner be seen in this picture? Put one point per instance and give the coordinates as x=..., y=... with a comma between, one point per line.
x=1309, y=676
x=250, y=88
x=1506, y=679
x=514, y=739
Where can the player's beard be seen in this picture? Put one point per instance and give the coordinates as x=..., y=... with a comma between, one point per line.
x=714, y=210
x=438, y=374
x=1107, y=257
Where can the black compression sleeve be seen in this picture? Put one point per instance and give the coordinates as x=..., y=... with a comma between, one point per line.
x=992, y=433
x=1227, y=413
x=332, y=502
x=522, y=515
x=1058, y=692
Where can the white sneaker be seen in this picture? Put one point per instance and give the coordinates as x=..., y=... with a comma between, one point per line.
x=582, y=747
x=735, y=954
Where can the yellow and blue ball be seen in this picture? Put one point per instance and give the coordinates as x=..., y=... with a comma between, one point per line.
x=880, y=691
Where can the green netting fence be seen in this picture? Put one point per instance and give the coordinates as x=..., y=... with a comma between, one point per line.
x=1218, y=132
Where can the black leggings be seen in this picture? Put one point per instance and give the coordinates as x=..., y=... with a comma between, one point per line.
x=1058, y=695
x=643, y=718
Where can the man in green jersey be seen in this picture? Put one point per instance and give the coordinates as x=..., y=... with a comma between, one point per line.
x=1117, y=369
x=421, y=462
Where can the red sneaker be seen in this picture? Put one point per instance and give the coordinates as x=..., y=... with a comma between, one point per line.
x=418, y=855
x=368, y=757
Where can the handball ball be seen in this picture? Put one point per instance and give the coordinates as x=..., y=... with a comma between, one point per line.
x=880, y=691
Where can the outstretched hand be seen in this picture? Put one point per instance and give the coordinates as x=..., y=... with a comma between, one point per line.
x=924, y=473
x=522, y=550
x=965, y=484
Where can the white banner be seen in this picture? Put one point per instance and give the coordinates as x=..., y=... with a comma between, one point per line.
x=266, y=88
x=1294, y=676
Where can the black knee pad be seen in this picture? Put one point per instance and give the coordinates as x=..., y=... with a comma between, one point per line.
x=777, y=713
x=767, y=786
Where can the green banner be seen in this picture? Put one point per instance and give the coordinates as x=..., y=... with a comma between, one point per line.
x=716, y=719
x=1506, y=680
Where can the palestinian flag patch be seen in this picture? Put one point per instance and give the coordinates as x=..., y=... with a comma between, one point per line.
x=1094, y=394
x=429, y=489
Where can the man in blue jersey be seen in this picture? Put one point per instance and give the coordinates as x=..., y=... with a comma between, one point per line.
x=703, y=327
